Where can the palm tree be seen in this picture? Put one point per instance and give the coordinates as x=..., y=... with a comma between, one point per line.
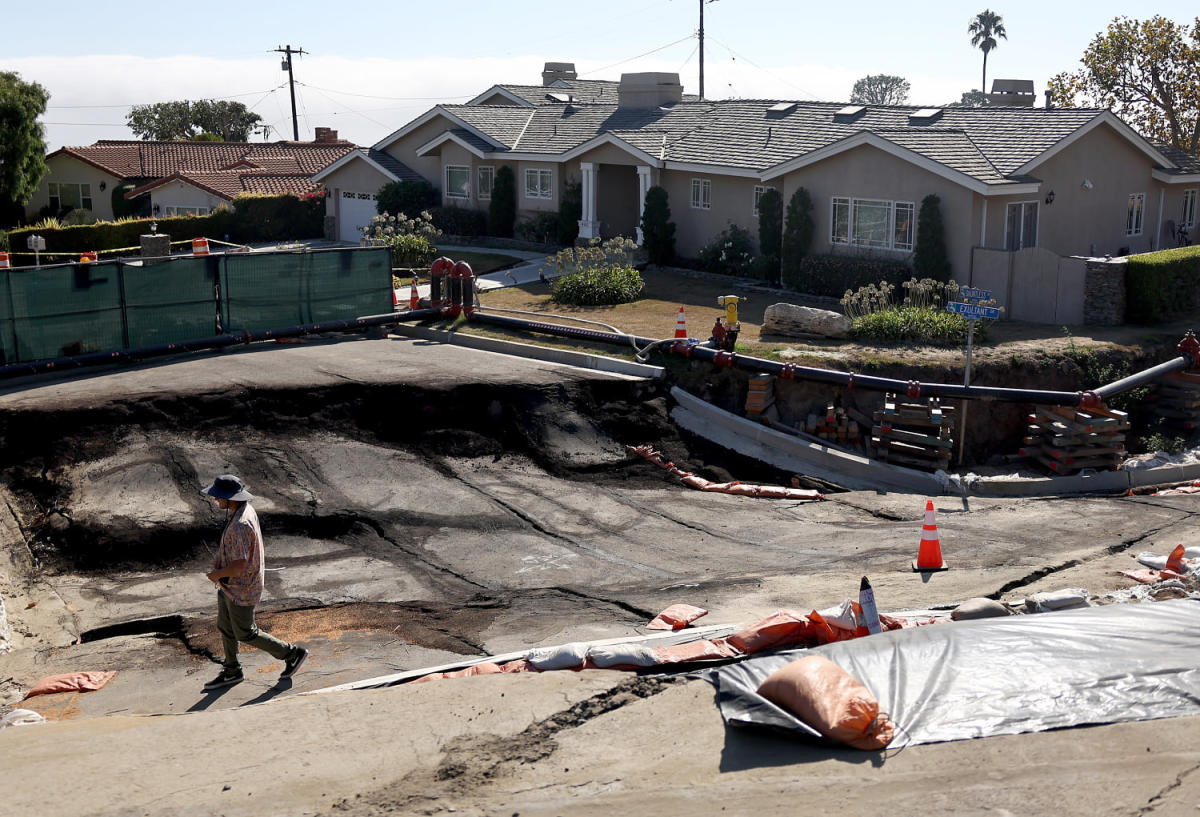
x=984, y=29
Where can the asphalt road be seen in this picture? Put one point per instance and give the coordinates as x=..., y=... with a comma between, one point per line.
x=425, y=503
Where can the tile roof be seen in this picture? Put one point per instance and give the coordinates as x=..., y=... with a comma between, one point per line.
x=228, y=184
x=144, y=160
x=989, y=144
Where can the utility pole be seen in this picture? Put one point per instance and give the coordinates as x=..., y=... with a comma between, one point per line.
x=287, y=65
x=702, y=2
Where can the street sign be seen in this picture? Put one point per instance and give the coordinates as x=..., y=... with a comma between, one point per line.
x=972, y=294
x=973, y=312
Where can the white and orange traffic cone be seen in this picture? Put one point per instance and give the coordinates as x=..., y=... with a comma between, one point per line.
x=1175, y=563
x=929, y=557
x=199, y=246
x=89, y=257
x=681, y=326
x=414, y=299
x=4, y=261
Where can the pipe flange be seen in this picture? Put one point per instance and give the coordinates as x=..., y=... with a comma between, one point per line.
x=850, y=382
x=914, y=388
x=1089, y=399
x=724, y=359
x=788, y=372
x=682, y=348
x=1190, y=347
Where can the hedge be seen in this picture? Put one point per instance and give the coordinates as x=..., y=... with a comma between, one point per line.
x=832, y=275
x=1162, y=285
x=253, y=218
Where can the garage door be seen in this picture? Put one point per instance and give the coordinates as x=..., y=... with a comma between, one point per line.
x=357, y=210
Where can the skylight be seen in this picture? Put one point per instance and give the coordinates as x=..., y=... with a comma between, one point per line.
x=851, y=110
x=782, y=107
x=559, y=97
x=925, y=115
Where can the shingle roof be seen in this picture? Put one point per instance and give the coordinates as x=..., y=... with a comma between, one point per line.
x=143, y=160
x=393, y=165
x=584, y=91
x=988, y=144
x=1187, y=163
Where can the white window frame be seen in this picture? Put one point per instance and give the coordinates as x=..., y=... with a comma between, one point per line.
x=1021, y=243
x=853, y=240
x=457, y=192
x=701, y=194
x=759, y=189
x=1135, y=216
x=491, y=177
x=534, y=187
x=1187, y=218
x=83, y=193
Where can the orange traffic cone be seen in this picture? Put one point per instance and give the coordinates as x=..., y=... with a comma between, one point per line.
x=4, y=260
x=1175, y=561
x=681, y=326
x=199, y=246
x=414, y=300
x=395, y=300
x=929, y=557
x=88, y=257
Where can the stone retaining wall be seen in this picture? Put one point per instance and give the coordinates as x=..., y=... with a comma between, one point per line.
x=1104, y=292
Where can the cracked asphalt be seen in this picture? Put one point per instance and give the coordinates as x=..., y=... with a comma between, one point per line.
x=422, y=504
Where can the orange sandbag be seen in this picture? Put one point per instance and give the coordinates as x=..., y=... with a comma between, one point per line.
x=695, y=651
x=70, y=682
x=783, y=628
x=830, y=700
x=676, y=617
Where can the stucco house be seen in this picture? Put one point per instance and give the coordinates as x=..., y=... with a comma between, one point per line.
x=181, y=178
x=1073, y=181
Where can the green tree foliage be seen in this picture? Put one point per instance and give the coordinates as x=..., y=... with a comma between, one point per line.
x=658, y=231
x=972, y=99
x=1147, y=72
x=880, y=89
x=406, y=197
x=570, y=210
x=22, y=142
x=502, y=209
x=797, y=235
x=770, y=232
x=930, y=259
x=186, y=120
x=986, y=26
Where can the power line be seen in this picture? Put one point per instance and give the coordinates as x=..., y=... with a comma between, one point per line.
x=288, y=53
x=639, y=56
x=137, y=104
x=393, y=98
x=806, y=92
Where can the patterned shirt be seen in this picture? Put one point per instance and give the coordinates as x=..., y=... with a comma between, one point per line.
x=242, y=539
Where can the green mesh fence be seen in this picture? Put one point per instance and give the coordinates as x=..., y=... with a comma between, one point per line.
x=8, y=338
x=265, y=290
x=171, y=301
x=68, y=310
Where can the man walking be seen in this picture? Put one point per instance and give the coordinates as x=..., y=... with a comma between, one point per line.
x=238, y=573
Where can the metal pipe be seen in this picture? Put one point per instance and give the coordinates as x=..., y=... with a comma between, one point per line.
x=215, y=342
x=1179, y=364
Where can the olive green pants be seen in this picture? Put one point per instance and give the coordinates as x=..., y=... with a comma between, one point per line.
x=236, y=624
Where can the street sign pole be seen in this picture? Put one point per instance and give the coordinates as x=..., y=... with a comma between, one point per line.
x=962, y=430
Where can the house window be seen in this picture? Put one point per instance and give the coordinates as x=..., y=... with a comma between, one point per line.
x=1188, y=219
x=458, y=182
x=759, y=189
x=69, y=195
x=539, y=184
x=877, y=223
x=1137, y=211
x=484, y=181
x=1022, y=225
x=702, y=194
x=186, y=211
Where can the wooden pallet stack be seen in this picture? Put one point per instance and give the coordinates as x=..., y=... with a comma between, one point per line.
x=1177, y=401
x=761, y=394
x=834, y=427
x=914, y=434
x=1067, y=440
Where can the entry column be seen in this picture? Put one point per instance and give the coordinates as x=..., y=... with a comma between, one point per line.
x=644, y=186
x=589, y=227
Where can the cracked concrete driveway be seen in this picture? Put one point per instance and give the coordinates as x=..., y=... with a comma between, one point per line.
x=422, y=504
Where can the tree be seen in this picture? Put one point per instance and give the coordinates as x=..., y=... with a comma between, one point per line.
x=502, y=209
x=1147, y=72
x=930, y=259
x=570, y=210
x=984, y=29
x=971, y=99
x=658, y=231
x=22, y=141
x=770, y=230
x=408, y=197
x=880, y=89
x=185, y=120
x=797, y=234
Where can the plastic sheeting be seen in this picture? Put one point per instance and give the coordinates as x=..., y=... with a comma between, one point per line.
x=1003, y=676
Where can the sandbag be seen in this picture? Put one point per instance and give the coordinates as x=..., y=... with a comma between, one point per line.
x=783, y=628
x=830, y=700
x=70, y=682
x=565, y=656
x=676, y=617
x=21, y=717
x=979, y=608
x=1064, y=599
x=615, y=655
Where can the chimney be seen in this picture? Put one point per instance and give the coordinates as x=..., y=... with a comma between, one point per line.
x=554, y=71
x=648, y=90
x=1049, y=101
x=1012, y=92
x=325, y=136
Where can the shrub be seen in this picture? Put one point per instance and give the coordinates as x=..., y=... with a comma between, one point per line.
x=410, y=239
x=730, y=253
x=570, y=210
x=770, y=233
x=658, y=231
x=407, y=197
x=123, y=207
x=540, y=229
x=832, y=275
x=597, y=274
x=502, y=209
x=1162, y=285
x=79, y=216
x=460, y=221
x=919, y=316
x=929, y=256
x=797, y=236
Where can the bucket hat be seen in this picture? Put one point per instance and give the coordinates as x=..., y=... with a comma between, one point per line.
x=227, y=486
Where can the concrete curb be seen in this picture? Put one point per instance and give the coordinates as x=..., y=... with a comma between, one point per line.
x=579, y=360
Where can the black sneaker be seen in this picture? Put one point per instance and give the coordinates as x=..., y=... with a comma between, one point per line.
x=293, y=663
x=227, y=678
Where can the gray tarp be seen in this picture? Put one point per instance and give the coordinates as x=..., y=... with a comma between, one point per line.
x=1003, y=676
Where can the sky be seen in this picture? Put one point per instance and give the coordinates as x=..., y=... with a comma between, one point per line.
x=370, y=68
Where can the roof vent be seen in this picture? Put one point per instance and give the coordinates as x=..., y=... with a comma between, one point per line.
x=555, y=71
x=560, y=98
x=1013, y=92
x=849, y=113
x=648, y=90
x=924, y=116
x=782, y=107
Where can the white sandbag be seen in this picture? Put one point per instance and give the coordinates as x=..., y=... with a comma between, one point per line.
x=1157, y=561
x=618, y=654
x=979, y=608
x=841, y=616
x=5, y=630
x=1063, y=599
x=21, y=717
x=565, y=656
